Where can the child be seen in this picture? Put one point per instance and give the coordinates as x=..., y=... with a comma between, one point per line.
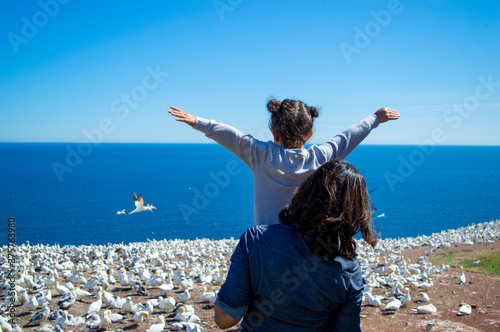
x=279, y=167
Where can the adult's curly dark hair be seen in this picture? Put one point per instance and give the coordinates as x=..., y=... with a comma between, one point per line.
x=331, y=206
x=292, y=120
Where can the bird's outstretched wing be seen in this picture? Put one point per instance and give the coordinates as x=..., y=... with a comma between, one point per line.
x=139, y=202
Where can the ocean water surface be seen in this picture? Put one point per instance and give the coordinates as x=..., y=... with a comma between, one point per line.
x=59, y=195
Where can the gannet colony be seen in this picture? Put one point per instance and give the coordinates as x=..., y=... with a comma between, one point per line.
x=149, y=286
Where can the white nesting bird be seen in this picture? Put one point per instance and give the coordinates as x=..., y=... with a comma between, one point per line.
x=426, y=309
x=80, y=293
x=406, y=299
x=107, y=296
x=373, y=301
x=67, y=301
x=32, y=304
x=426, y=285
x=129, y=305
x=140, y=316
x=40, y=316
x=168, y=286
x=64, y=321
x=157, y=327
x=4, y=325
x=186, y=283
x=95, y=306
x=184, y=296
x=94, y=323
x=106, y=321
x=80, y=279
x=186, y=315
x=23, y=297
x=14, y=299
x=114, y=316
x=50, y=328
x=206, y=279
x=167, y=303
x=44, y=297
x=465, y=309
x=462, y=278
x=50, y=280
x=118, y=302
x=394, y=304
x=380, y=280
x=397, y=288
x=148, y=306
x=111, y=279
x=178, y=326
x=207, y=296
x=155, y=280
x=60, y=289
x=155, y=302
x=424, y=297
x=192, y=327
x=145, y=274
x=91, y=284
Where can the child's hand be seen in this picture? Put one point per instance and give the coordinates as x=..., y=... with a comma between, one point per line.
x=182, y=116
x=385, y=114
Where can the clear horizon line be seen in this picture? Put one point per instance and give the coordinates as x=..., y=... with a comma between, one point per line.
x=213, y=143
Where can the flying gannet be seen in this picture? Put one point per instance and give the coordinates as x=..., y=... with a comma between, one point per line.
x=139, y=205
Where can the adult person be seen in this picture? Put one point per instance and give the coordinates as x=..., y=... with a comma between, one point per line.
x=303, y=274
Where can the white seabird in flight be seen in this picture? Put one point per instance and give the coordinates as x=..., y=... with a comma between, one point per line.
x=139, y=204
x=149, y=207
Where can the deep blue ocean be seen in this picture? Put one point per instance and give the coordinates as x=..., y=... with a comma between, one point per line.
x=69, y=194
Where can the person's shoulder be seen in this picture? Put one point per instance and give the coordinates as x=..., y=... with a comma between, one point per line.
x=262, y=148
x=264, y=232
x=349, y=265
x=267, y=237
x=261, y=230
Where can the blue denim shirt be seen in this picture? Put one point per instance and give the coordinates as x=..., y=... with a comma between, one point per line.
x=276, y=284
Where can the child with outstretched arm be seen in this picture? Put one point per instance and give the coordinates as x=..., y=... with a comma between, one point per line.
x=279, y=167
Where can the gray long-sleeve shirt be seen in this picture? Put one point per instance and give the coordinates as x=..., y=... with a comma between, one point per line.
x=277, y=171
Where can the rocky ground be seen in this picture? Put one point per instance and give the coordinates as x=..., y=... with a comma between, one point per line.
x=480, y=290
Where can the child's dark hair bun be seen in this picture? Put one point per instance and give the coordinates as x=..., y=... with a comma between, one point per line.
x=314, y=112
x=273, y=105
x=292, y=121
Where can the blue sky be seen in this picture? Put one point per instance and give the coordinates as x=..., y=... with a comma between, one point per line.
x=75, y=71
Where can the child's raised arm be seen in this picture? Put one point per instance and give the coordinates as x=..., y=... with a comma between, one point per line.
x=182, y=116
x=242, y=145
x=385, y=114
x=342, y=144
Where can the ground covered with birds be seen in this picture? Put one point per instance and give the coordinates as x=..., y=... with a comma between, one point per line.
x=171, y=284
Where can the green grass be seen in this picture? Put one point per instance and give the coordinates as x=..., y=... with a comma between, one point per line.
x=490, y=264
x=489, y=261
x=446, y=258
